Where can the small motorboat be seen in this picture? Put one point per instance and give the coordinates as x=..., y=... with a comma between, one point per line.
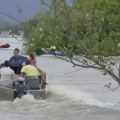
x=53, y=52
x=21, y=88
x=4, y=45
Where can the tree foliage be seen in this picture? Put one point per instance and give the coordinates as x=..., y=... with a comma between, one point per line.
x=89, y=29
x=93, y=25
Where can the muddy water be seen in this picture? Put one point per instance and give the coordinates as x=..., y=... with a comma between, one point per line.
x=72, y=94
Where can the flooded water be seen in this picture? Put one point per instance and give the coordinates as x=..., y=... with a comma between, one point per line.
x=72, y=94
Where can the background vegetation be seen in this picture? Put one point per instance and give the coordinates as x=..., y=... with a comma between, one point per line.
x=81, y=27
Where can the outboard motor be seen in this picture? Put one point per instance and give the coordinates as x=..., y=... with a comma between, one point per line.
x=20, y=87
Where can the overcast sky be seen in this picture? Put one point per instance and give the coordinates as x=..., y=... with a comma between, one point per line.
x=29, y=9
x=12, y=8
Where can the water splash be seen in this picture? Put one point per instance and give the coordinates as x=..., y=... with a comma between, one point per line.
x=76, y=95
x=26, y=98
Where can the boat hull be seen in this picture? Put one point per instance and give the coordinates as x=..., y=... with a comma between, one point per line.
x=8, y=94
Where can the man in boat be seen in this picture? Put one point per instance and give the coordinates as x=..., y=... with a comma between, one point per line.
x=31, y=72
x=33, y=61
x=16, y=61
x=7, y=75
